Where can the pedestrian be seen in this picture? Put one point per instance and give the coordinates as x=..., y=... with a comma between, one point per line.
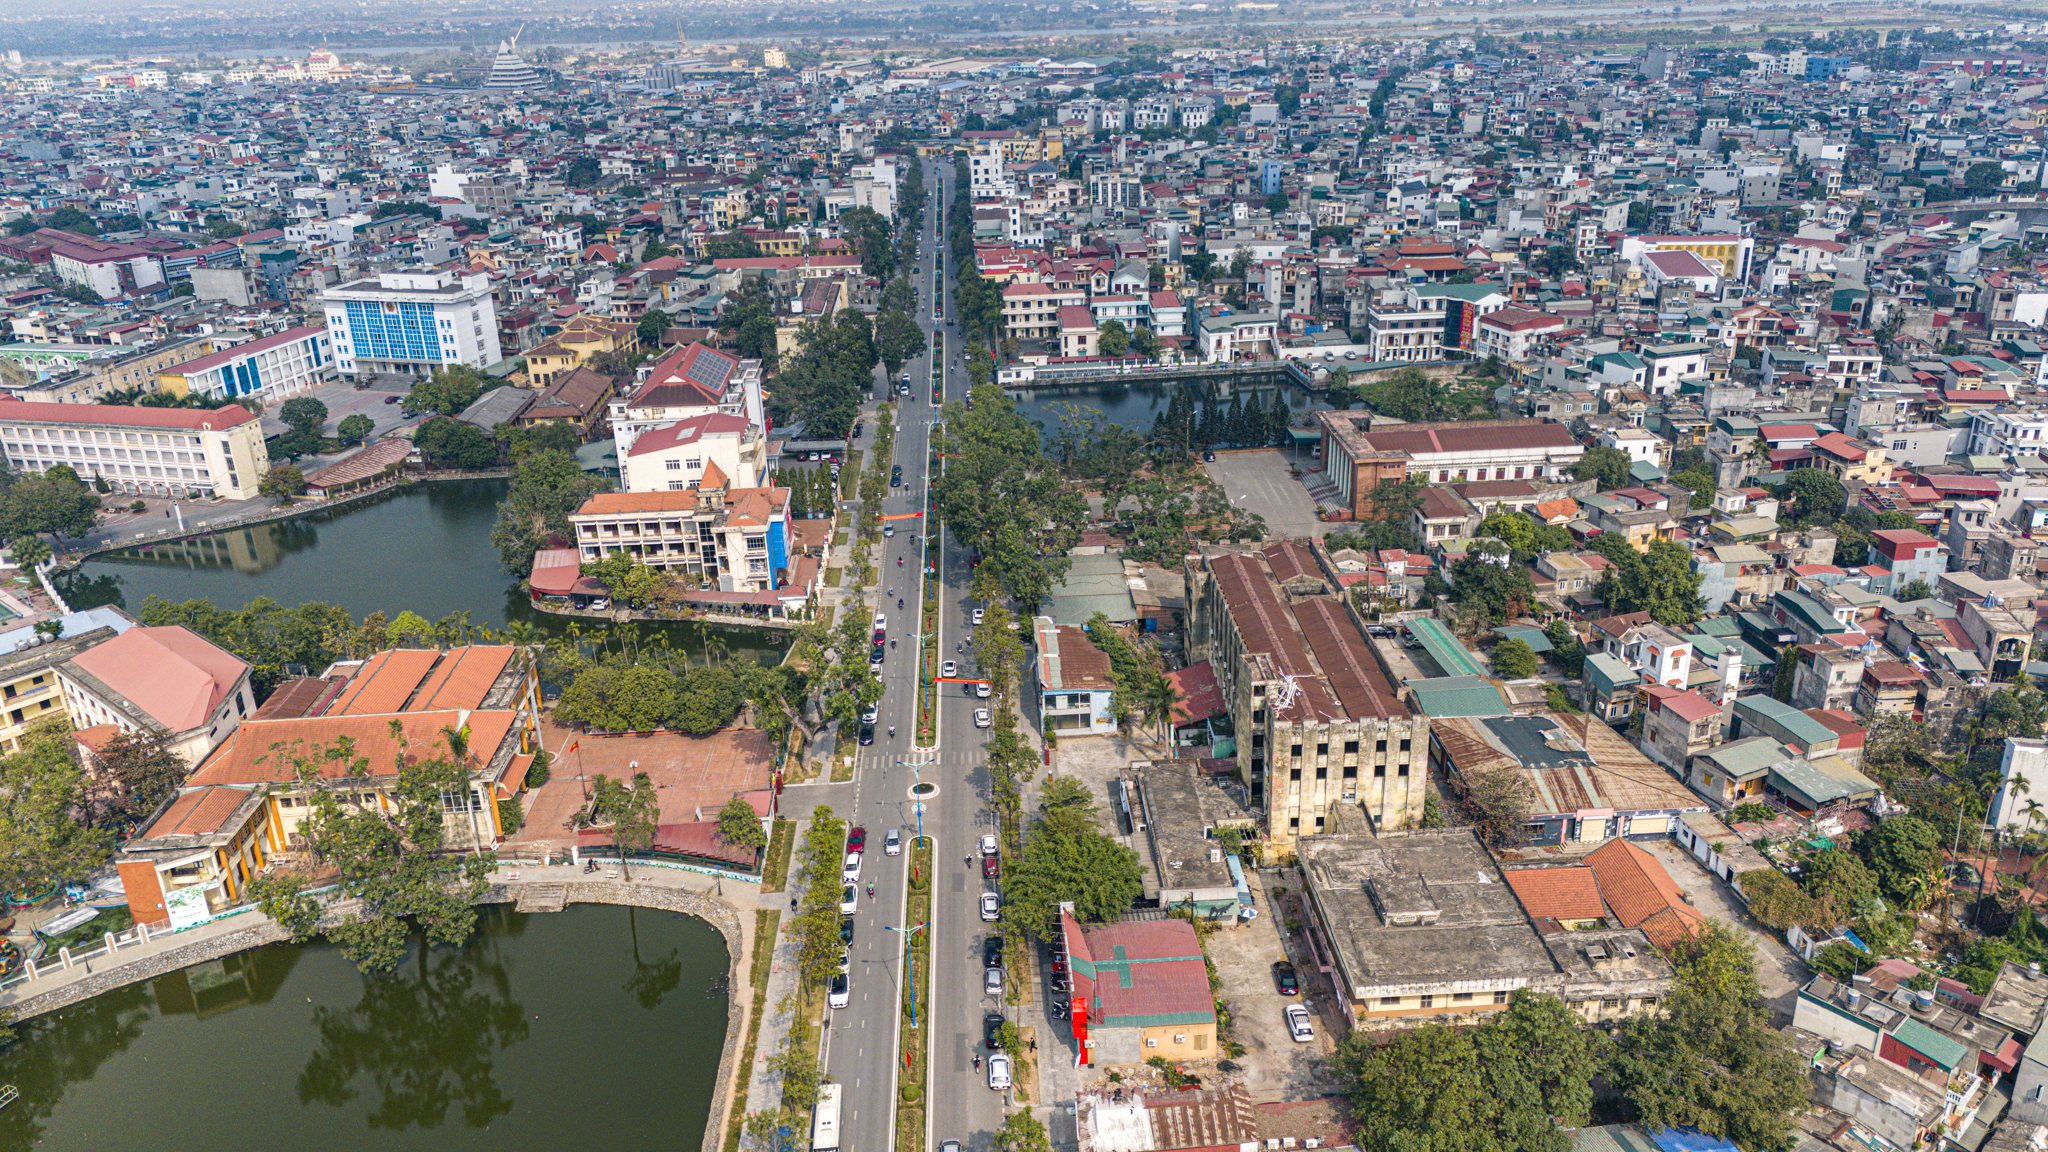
x=1034, y=1045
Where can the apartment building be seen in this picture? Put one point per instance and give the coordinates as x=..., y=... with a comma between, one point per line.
x=1319, y=721
x=1032, y=311
x=715, y=450
x=182, y=452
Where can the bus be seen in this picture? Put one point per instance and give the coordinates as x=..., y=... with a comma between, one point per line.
x=825, y=1127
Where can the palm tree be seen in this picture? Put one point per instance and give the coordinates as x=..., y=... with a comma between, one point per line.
x=1159, y=700
x=458, y=747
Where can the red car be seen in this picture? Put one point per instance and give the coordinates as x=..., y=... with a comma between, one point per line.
x=991, y=867
x=857, y=840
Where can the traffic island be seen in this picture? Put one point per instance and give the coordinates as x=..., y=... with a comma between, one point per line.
x=914, y=1011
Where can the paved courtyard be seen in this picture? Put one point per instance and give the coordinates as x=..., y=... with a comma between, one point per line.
x=1274, y=1065
x=1258, y=481
x=1778, y=970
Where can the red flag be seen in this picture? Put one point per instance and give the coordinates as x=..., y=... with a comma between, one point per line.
x=572, y=747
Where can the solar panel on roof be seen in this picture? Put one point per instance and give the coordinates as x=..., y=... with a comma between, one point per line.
x=709, y=368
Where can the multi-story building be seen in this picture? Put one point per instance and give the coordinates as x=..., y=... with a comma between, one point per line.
x=580, y=339
x=691, y=381
x=1359, y=456
x=29, y=690
x=241, y=809
x=273, y=368
x=1319, y=721
x=1904, y=555
x=412, y=322
x=170, y=683
x=1420, y=323
x=1074, y=687
x=1032, y=311
x=734, y=540
x=82, y=374
x=1730, y=255
x=161, y=451
x=1512, y=334
x=716, y=451
x=2014, y=432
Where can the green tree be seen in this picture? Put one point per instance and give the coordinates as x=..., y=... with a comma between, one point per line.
x=281, y=483
x=1515, y=529
x=546, y=487
x=1816, y=494
x=1498, y=593
x=43, y=788
x=1113, y=339
x=1100, y=876
x=1065, y=807
x=1610, y=466
x=1005, y=499
x=1916, y=589
x=448, y=391
x=446, y=443
x=739, y=826
x=355, y=429
x=304, y=415
x=1902, y=853
x=619, y=696
x=388, y=857
x=1661, y=581
x=1513, y=660
x=1698, y=482
x=1022, y=1132
x=631, y=811
x=1984, y=177
x=130, y=774
x=1712, y=1061
x=29, y=551
x=707, y=699
x=899, y=340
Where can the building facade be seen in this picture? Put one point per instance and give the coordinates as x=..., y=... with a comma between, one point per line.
x=410, y=323
x=273, y=368
x=183, y=452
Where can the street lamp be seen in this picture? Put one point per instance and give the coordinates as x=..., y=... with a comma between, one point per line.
x=910, y=970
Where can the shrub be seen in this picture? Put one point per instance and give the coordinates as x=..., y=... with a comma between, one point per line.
x=138, y=506
x=537, y=773
x=511, y=817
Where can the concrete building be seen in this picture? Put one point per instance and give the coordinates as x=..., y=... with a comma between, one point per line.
x=409, y=323
x=170, y=683
x=160, y=451
x=1074, y=687
x=29, y=690
x=1587, y=782
x=1318, y=720
x=1139, y=990
x=715, y=451
x=273, y=368
x=734, y=540
x=1422, y=927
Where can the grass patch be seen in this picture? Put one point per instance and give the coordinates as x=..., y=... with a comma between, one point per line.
x=842, y=769
x=775, y=873
x=910, y=1104
x=1558, y=699
x=766, y=921
x=92, y=933
x=833, y=576
x=849, y=475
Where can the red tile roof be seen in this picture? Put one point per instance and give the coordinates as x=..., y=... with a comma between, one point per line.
x=1558, y=893
x=1639, y=890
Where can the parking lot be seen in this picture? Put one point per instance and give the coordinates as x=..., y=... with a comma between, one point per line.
x=1259, y=481
x=1275, y=1066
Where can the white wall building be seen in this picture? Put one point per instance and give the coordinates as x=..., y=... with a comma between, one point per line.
x=412, y=322
x=161, y=451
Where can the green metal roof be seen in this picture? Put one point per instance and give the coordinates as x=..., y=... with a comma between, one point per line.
x=1820, y=786
x=1458, y=696
x=1533, y=637
x=1444, y=648
x=1722, y=626
x=1926, y=1041
x=1803, y=729
x=1610, y=671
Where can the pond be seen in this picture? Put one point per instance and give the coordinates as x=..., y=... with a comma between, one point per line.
x=598, y=1025
x=426, y=547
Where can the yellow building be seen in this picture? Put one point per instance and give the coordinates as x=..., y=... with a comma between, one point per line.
x=580, y=339
x=29, y=690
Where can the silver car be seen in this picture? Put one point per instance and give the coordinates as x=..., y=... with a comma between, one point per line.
x=992, y=981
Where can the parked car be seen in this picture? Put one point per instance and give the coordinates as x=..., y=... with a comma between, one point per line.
x=850, y=872
x=842, y=990
x=988, y=844
x=1209, y=455
x=991, y=907
x=867, y=734
x=1284, y=976
x=992, y=951
x=892, y=844
x=977, y=616
x=992, y=1029
x=856, y=839
x=873, y=714
x=888, y=530
x=991, y=867
x=849, y=900
x=1298, y=1025
x=948, y=668
x=999, y=1072
x=846, y=930
x=992, y=981
x=845, y=960
x=981, y=718
x=981, y=689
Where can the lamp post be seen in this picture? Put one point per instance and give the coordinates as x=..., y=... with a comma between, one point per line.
x=910, y=968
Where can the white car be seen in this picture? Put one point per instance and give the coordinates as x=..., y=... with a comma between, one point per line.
x=991, y=907
x=988, y=844
x=948, y=668
x=999, y=1072
x=842, y=991
x=1298, y=1025
x=992, y=981
x=888, y=530
x=892, y=844
x=849, y=900
x=981, y=689
x=873, y=714
x=977, y=615
x=881, y=622
x=851, y=872
x=981, y=718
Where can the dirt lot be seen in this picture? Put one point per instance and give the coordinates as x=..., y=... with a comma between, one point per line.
x=1780, y=972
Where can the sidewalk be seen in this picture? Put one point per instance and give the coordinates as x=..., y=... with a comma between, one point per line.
x=764, y=1087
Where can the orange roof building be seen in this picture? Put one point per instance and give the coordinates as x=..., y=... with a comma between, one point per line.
x=241, y=808
x=169, y=682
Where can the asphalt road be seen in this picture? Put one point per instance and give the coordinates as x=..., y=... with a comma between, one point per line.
x=862, y=1053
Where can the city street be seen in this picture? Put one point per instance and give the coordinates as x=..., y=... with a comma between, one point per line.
x=864, y=1040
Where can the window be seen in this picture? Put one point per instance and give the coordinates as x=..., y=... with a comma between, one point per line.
x=1379, y=746
x=674, y=465
x=1404, y=769
x=1428, y=1002
x=1322, y=771
x=1293, y=822
x=1294, y=773
x=1500, y=997
x=1460, y=997
x=1390, y=1001
x=1350, y=747
x=1322, y=749
x=1295, y=751
x=1404, y=745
